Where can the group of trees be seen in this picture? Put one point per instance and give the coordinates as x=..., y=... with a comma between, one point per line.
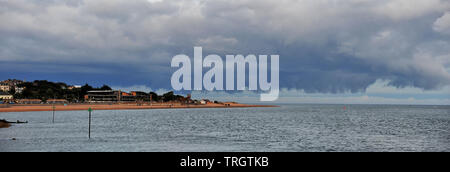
x=167, y=97
x=170, y=96
x=45, y=90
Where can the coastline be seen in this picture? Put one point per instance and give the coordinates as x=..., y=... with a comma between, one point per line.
x=85, y=107
x=4, y=125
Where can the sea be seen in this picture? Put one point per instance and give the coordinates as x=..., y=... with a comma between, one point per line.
x=288, y=128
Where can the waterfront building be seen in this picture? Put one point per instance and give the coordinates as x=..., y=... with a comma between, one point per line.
x=104, y=96
x=5, y=96
x=5, y=87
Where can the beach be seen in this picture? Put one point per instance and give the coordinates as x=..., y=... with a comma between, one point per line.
x=81, y=107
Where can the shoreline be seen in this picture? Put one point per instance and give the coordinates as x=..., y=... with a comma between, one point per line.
x=4, y=125
x=85, y=107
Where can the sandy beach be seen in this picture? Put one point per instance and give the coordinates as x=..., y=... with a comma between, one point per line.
x=82, y=107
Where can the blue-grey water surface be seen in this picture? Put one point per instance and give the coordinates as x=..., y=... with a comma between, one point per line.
x=287, y=128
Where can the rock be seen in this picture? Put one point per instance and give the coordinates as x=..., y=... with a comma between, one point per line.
x=4, y=124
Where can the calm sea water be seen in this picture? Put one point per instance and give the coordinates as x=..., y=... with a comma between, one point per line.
x=288, y=128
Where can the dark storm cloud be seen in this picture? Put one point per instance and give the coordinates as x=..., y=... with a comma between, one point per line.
x=325, y=46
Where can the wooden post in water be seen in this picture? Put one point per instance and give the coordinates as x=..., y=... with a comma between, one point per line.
x=90, y=111
x=53, y=120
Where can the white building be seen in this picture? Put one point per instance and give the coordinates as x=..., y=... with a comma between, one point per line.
x=19, y=89
x=5, y=88
x=5, y=96
x=74, y=87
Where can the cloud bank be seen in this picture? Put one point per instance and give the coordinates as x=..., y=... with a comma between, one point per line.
x=325, y=46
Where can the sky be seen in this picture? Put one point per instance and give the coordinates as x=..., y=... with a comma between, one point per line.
x=331, y=51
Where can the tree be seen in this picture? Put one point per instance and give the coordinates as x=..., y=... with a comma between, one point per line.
x=105, y=87
x=170, y=96
x=155, y=96
x=83, y=91
x=12, y=91
x=86, y=88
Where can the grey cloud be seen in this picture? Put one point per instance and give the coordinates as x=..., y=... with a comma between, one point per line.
x=442, y=24
x=325, y=46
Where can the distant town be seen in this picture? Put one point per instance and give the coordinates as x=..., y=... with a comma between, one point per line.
x=13, y=91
